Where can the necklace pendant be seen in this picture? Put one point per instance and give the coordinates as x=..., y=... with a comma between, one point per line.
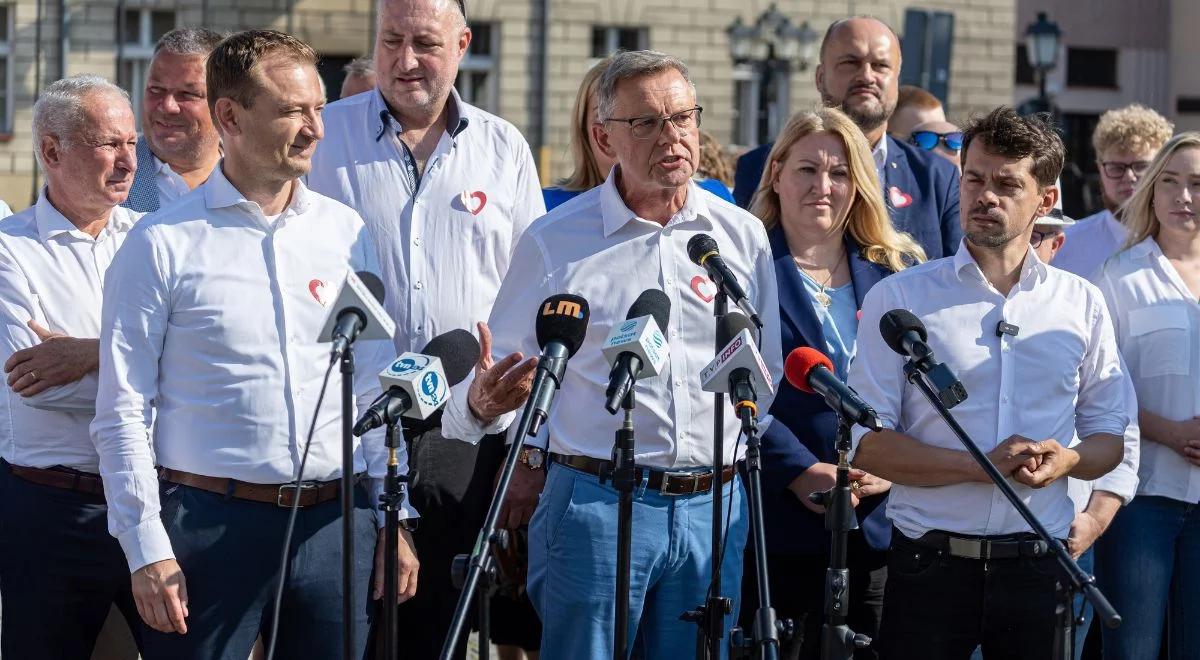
x=824, y=298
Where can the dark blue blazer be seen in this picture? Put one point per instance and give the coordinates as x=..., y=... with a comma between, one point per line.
x=920, y=189
x=804, y=429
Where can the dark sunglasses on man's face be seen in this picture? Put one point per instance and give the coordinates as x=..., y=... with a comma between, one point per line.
x=928, y=140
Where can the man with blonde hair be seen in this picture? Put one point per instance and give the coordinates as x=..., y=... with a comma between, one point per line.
x=1125, y=142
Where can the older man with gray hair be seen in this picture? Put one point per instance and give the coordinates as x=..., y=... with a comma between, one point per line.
x=628, y=234
x=58, y=563
x=360, y=77
x=179, y=146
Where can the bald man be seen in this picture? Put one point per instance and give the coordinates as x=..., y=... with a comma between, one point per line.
x=859, y=73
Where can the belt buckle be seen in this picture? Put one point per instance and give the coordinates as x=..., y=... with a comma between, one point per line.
x=304, y=486
x=694, y=476
x=966, y=548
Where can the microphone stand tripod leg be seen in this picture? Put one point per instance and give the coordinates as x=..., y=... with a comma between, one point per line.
x=393, y=494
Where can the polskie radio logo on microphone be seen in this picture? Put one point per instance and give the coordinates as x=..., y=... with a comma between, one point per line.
x=562, y=308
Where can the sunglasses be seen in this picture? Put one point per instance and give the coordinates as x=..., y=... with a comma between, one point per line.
x=928, y=140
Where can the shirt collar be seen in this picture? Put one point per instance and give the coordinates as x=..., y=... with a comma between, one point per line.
x=880, y=152
x=219, y=192
x=964, y=261
x=1147, y=248
x=455, y=125
x=616, y=213
x=52, y=223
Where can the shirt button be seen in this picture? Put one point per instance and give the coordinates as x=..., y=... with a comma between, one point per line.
x=1004, y=399
x=669, y=281
x=416, y=241
x=417, y=285
x=678, y=382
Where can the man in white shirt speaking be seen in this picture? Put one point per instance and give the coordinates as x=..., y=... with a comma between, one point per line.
x=210, y=322
x=57, y=562
x=1034, y=348
x=608, y=245
x=446, y=190
x=179, y=145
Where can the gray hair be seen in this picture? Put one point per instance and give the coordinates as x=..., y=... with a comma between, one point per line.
x=630, y=64
x=360, y=66
x=61, y=110
x=188, y=41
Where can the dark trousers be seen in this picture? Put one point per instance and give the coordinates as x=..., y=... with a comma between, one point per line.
x=229, y=551
x=451, y=484
x=937, y=606
x=60, y=571
x=797, y=584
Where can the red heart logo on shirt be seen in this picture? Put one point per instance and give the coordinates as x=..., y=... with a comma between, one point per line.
x=704, y=288
x=317, y=289
x=473, y=201
x=898, y=198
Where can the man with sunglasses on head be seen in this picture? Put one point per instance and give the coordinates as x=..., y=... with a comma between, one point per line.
x=1125, y=141
x=859, y=73
x=940, y=138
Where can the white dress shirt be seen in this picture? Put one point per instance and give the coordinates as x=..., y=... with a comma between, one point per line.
x=5, y=211
x=171, y=186
x=210, y=318
x=880, y=153
x=444, y=244
x=1061, y=375
x=595, y=247
x=1157, y=321
x=1090, y=242
x=52, y=272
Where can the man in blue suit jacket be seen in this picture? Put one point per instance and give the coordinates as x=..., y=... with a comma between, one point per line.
x=859, y=73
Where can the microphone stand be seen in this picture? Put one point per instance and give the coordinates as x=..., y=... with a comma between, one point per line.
x=348, y=600
x=626, y=476
x=1078, y=580
x=393, y=495
x=458, y=577
x=488, y=535
x=838, y=641
x=710, y=616
x=765, y=636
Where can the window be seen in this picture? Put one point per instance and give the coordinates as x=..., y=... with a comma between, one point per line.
x=6, y=69
x=1092, y=67
x=139, y=30
x=1025, y=74
x=478, y=80
x=1187, y=104
x=607, y=39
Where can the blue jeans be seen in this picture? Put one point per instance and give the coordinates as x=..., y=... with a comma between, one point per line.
x=1148, y=564
x=573, y=560
x=229, y=552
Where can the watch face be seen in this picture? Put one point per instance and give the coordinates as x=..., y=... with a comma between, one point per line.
x=533, y=458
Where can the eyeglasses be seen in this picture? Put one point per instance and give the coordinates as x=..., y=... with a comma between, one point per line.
x=644, y=128
x=1116, y=170
x=928, y=140
x=1036, y=238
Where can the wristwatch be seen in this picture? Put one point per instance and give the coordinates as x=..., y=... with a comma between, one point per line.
x=533, y=458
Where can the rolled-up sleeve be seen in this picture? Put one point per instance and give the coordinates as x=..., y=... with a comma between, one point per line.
x=134, y=318
x=1104, y=384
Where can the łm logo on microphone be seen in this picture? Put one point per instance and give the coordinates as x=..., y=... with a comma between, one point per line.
x=564, y=308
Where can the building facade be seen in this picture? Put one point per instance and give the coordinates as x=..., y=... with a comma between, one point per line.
x=526, y=58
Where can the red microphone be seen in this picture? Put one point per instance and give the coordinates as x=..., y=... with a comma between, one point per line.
x=811, y=371
x=800, y=362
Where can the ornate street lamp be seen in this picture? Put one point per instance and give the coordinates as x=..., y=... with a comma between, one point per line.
x=1042, y=39
x=773, y=46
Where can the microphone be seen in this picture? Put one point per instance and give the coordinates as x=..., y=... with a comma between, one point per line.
x=356, y=311
x=703, y=252
x=906, y=335
x=811, y=371
x=738, y=369
x=416, y=385
x=561, y=326
x=637, y=345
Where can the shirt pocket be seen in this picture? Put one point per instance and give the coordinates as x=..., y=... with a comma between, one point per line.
x=1161, y=341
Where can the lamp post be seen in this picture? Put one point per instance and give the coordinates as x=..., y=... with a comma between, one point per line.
x=1042, y=39
x=773, y=46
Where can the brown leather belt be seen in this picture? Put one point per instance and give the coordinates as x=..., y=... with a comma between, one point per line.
x=667, y=482
x=311, y=492
x=61, y=477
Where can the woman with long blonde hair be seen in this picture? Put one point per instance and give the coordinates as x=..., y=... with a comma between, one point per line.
x=832, y=240
x=1148, y=558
